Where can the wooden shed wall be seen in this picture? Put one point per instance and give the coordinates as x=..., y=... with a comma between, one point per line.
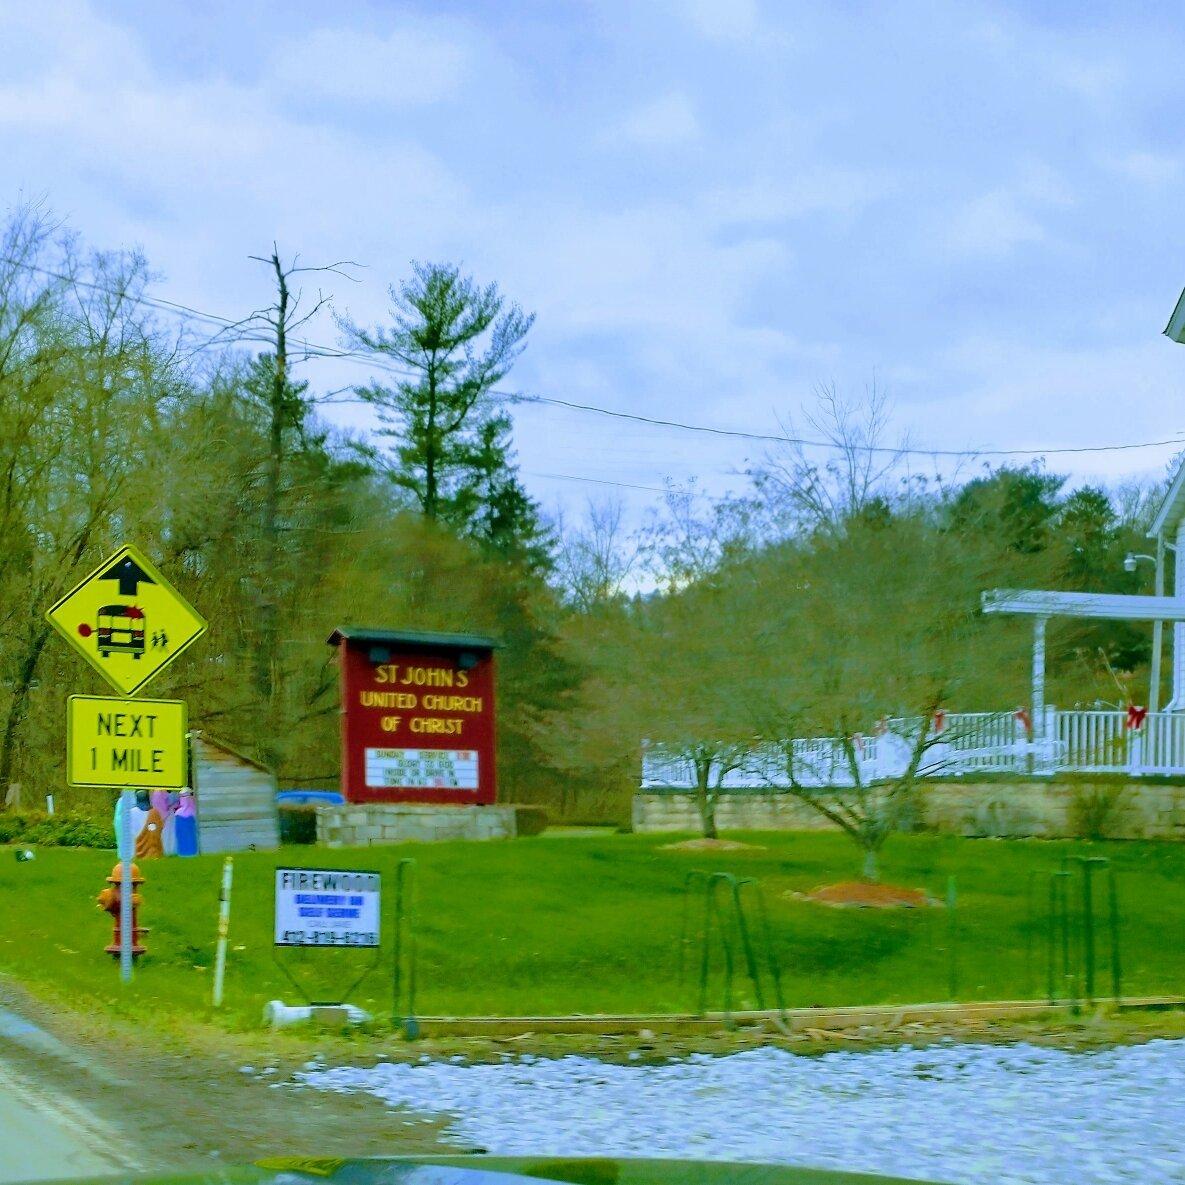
x=236, y=801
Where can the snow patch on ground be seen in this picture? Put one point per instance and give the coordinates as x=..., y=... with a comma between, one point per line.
x=973, y=1114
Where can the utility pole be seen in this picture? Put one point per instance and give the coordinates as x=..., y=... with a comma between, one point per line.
x=265, y=655
x=285, y=410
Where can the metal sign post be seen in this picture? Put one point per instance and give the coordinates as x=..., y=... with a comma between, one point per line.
x=129, y=623
x=127, y=800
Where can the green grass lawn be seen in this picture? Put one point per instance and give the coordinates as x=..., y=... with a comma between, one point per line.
x=575, y=925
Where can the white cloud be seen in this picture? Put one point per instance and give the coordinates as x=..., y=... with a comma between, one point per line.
x=996, y=223
x=1115, y=390
x=711, y=280
x=418, y=63
x=724, y=20
x=666, y=121
x=992, y=226
x=807, y=191
x=202, y=173
x=66, y=36
x=1153, y=169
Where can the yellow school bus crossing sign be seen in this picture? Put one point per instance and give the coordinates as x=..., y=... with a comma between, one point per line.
x=127, y=620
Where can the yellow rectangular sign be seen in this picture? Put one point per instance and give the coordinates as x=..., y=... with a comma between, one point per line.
x=138, y=743
x=127, y=620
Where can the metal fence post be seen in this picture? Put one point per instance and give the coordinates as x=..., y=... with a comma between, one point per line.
x=228, y=869
x=952, y=940
x=1087, y=933
x=746, y=943
x=685, y=922
x=404, y=919
x=1059, y=926
x=1030, y=928
x=726, y=946
x=1113, y=915
x=729, y=923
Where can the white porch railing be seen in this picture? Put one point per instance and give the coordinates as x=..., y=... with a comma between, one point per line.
x=969, y=743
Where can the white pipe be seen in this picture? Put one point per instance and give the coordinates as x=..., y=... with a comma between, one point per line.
x=228, y=870
x=280, y=1015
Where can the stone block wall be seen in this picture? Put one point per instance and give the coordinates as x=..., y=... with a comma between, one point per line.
x=1039, y=809
x=735, y=812
x=368, y=824
x=1057, y=809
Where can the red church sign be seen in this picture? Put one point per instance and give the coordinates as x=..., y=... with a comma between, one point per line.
x=417, y=716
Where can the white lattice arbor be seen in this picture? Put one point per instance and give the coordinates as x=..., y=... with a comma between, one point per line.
x=1041, y=605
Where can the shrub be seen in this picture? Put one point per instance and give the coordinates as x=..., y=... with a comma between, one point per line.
x=298, y=824
x=1095, y=811
x=530, y=820
x=63, y=830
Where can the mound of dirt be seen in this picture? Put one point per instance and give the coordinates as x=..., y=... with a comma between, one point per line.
x=711, y=845
x=866, y=895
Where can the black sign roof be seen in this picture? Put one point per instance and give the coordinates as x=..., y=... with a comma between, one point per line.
x=367, y=636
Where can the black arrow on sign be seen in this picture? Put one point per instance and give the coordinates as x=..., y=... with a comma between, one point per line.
x=129, y=574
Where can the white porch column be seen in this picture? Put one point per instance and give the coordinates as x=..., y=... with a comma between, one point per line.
x=1177, y=702
x=1157, y=634
x=1037, y=707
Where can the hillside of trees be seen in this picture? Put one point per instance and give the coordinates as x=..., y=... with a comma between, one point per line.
x=839, y=588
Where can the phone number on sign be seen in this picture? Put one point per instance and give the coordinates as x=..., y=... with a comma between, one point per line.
x=328, y=938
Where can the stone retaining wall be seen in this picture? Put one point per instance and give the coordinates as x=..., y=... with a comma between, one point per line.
x=1046, y=810
x=735, y=812
x=367, y=824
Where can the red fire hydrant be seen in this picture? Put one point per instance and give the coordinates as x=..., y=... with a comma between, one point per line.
x=110, y=900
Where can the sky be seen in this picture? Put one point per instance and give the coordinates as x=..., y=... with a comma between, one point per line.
x=714, y=207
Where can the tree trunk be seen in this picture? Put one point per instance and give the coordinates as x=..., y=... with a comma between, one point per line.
x=431, y=495
x=19, y=707
x=871, y=869
x=268, y=635
x=707, y=811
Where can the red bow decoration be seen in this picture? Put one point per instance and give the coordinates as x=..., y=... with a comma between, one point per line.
x=939, y=719
x=1136, y=716
x=1022, y=714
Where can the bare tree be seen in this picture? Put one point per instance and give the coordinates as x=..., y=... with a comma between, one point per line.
x=852, y=474
x=287, y=409
x=661, y=673
x=82, y=388
x=594, y=560
x=694, y=535
x=861, y=640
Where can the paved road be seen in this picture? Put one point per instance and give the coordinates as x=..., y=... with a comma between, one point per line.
x=46, y=1136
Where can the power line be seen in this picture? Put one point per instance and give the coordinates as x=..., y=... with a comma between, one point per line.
x=864, y=448
x=314, y=350
x=158, y=303
x=600, y=481
x=376, y=363
x=774, y=438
